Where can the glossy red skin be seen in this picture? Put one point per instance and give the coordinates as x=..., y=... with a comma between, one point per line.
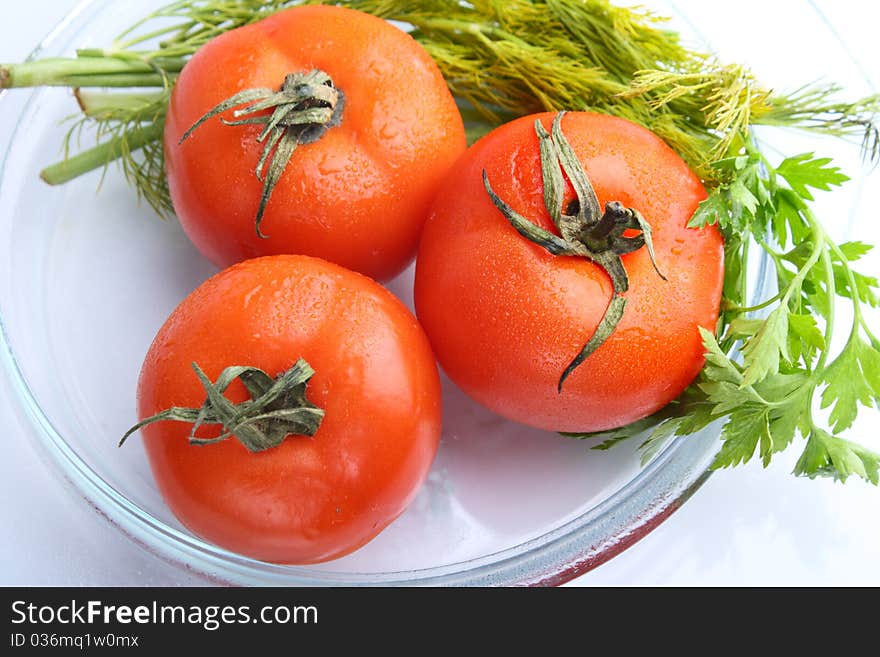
x=505, y=317
x=360, y=194
x=309, y=499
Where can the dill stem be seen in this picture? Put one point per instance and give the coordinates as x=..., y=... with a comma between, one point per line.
x=126, y=80
x=100, y=155
x=98, y=104
x=154, y=34
x=85, y=71
x=478, y=29
x=180, y=34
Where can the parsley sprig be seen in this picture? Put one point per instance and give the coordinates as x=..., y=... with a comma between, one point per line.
x=771, y=372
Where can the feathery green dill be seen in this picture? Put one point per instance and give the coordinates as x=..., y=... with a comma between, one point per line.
x=500, y=59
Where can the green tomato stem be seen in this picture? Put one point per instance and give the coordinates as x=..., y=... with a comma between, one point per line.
x=277, y=408
x=306, y=105
x=584, y=229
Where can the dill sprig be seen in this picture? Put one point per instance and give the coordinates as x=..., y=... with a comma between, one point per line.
x=819, y=109
x=500, y=59
x=177, y=30
x=128, y=127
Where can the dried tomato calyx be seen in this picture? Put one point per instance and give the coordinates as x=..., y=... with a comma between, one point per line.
x=278, y=408
x=302, y=109
x=584, y=230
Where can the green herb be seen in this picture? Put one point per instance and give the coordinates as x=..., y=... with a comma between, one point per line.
x=128, y=126
x=767, y=397
x=501, y=59
x=511, y=58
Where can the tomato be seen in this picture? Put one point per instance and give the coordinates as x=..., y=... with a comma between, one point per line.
x=358, y=188
x=506, y=317
x=308, y=499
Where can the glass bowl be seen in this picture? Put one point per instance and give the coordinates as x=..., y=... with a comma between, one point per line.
x=86, y=279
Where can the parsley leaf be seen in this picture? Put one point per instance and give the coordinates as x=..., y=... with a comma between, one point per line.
x=826, y=455
x=853, y=378
x=806, y=170
x=763, y=350
x=745, y=427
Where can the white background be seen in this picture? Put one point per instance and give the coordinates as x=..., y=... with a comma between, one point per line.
x=747, y=526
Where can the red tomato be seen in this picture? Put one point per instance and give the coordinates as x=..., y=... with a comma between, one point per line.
x=309, y=499
x=359, y=194
x=505, y=317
